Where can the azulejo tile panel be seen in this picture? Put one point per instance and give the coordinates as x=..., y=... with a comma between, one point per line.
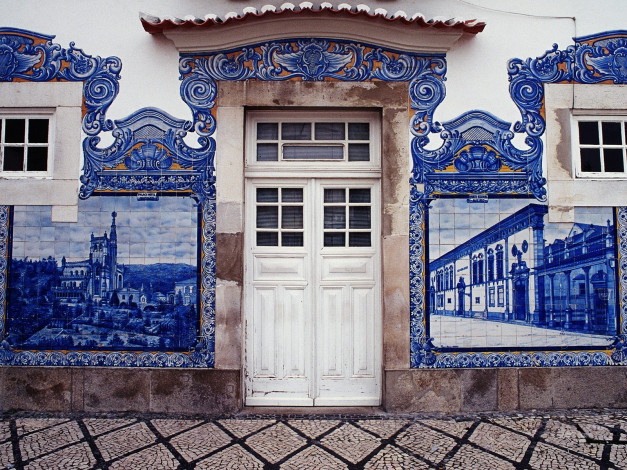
x=502, y=287
x=133, y=282
x=120, y=286
x=501, y=277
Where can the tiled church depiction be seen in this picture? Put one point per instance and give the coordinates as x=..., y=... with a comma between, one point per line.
x=123, y=288
x=314, y=204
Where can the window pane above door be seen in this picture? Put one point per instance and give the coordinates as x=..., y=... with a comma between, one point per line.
x=308, y=138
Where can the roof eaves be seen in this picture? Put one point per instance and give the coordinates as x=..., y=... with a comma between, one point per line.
x=156, y=25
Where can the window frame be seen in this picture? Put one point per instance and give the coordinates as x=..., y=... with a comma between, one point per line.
x=61, y=185
x=599, y=118
x=325, y=166
x=27, y=114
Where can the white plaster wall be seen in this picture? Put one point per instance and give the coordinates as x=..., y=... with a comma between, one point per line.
x=476, y=77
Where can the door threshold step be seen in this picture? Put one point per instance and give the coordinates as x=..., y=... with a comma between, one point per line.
x=308, y=411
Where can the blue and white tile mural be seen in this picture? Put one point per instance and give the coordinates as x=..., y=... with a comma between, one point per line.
x=500, y=276
x=125, y=277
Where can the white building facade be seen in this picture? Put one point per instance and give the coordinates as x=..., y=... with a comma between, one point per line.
x=354, y=204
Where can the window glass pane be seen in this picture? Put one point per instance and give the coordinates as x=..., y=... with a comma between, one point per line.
x=38, y=131
x=588, y=132
x=296, y=131
x=37, y=159
x=313, y=152
x=13, y=159
x=358, y=152
x=358, y=131
x=292, y=195
x=330, y=131
x=292, y=217
x=611, y=133
x=267, y=195
x=359, y=239
x=334, y=195
x=359, y=217
x=267, y=217
x=292, y=239
x=267, y=131
x=613, y=160
x=14, y=130
x=590, y=160
x=335, y=217
x=267, y=152
x=334, y=239
x=267, y=239
x=359, y=195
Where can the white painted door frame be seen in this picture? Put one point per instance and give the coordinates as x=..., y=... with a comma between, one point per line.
x=313, y=313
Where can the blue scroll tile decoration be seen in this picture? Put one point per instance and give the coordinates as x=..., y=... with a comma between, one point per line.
x=148, y=155
x=480, y=160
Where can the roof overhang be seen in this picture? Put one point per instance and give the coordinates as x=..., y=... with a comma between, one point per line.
x=397, y=31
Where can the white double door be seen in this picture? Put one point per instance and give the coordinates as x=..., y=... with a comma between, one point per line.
x=313, y=301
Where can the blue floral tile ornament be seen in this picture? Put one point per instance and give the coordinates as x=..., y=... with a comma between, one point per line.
x=149, y=154
x=30, y=56
x=4, y=253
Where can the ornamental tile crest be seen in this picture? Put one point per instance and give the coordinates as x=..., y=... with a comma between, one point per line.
x=313, y=60
x=149, y=154
x=28, y=56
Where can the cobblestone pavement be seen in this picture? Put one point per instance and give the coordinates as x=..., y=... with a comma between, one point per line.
x=566, y=440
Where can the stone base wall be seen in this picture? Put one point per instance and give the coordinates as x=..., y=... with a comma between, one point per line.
x=215, y=391
x=66, y=389
x=502, y=389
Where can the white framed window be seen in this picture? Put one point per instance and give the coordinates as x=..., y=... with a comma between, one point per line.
x=600, y=146
x=32, y=171
x=347, y=216
x=325, y=141
x=279, y=219
x=26, y=143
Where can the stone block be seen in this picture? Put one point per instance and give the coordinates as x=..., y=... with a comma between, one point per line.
x=37, y=388
x=429, y=390
x=203, y=391
x=479, y=389
x=590, y=387
x=78, y=389
x=507, y=389
x=535, y=388
x=65, y=213
x=229, y=257
x=109, y=389
x=2, y=402
x=228, y=346
x=396, y=302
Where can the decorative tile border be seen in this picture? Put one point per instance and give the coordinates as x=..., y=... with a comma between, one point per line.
x=470, y=143
x=148, y=155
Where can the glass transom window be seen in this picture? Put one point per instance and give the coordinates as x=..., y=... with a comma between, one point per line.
x=308, y=140
x=24, y=145
x=601, y=146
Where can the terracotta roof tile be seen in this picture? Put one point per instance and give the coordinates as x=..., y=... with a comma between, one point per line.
x=154, y=25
